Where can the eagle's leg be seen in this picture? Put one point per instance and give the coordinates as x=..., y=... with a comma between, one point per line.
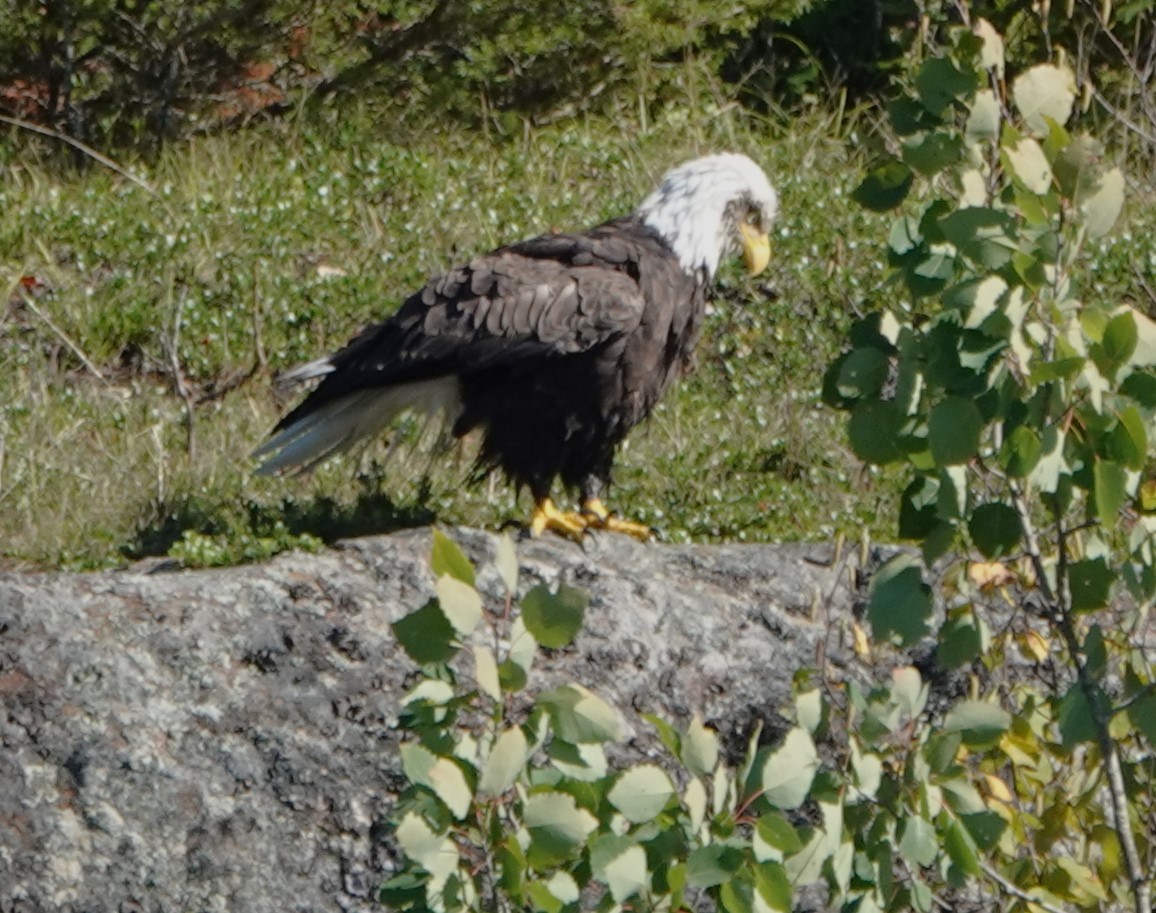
x=548, y=516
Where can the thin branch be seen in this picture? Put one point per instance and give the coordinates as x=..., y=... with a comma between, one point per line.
x=172, y=344
x=77, y=144
x=1060, y=616
x=64, y=337
x=1141, y=889
x=1123, y=118
x=1018, y=892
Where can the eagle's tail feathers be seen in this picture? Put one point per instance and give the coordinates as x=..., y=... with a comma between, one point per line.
x=302, y=373
x=336, y=426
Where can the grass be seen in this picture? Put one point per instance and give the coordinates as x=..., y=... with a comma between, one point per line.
x=141, y=333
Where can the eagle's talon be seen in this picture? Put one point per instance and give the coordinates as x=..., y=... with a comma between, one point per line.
x=566, y=523
x=602, y=518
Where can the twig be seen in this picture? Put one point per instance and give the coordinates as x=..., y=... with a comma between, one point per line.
x=1141, y=889
x=1123, y=118
x=258, y=343
x=1017, y=891
x=1060, y=616
x=183, y=388
x=64, y=337
x=77, y=144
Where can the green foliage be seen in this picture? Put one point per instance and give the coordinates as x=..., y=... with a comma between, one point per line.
x=1018, y=399
x=512, y=804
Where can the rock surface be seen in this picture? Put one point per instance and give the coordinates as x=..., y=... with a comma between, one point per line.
x=225, y=740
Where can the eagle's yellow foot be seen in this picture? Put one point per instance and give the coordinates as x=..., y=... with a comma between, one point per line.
x=599, y=517
x=567, y=523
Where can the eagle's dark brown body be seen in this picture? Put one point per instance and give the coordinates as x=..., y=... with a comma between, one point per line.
x=561, y=345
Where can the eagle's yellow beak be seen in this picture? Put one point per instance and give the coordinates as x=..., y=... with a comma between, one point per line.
x=756, y=248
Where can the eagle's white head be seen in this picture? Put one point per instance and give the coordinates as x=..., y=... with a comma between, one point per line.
x=711, y=206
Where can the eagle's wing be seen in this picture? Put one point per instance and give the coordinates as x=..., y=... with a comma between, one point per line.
x=546, y=298
x=498, y=309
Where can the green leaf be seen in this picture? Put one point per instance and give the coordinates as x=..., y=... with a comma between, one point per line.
x=405, y=891
x=953, y=430
x=641, y=792
x=939, y=83
x=908, y=690
x=991, y=55
x=1117, y=344
x=773, y=887
x=809, y=709
x=1109, y=481
x=554, y=895
x=506, y=562
x=1021, y=452
x=929, y=153
x=1142, y=713
x=789, y=770
x=554, y=619
x=885, y=186
x=981, y=234
x=416, y=762
x=918, y=844
x=620, y=864
x=460, y=603
x=862, y=374
x=985, y=828
x=440, y=775
x=558, y=827
x=448, y=783
x=1075, y=167
x=1061, y=369
x=1083, y=879
x=699, y=748
x=426, y=635
x=585, y=761
x=1075, y=718
x=1044, y=91
x=1029, y=164
x=736, y=896
x=578, y=715
x=447, y=558
x=867, y=768
x=875, y=432
x=979, y=724
x=1128, y=439
x=1102, y=208
x=959, y=641
x=1090, y=584
x=486, y=672
x=984, y=117
x=775, y=831
x=995, y=529
x=506, y=760
x=511, y=676
x=1140, y=386
x=961, y=849
x=899, y=602
x=918, y=511
x=713, y=864
x=434, y=852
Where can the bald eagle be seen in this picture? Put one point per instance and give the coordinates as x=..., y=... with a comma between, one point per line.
x=553, y=348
